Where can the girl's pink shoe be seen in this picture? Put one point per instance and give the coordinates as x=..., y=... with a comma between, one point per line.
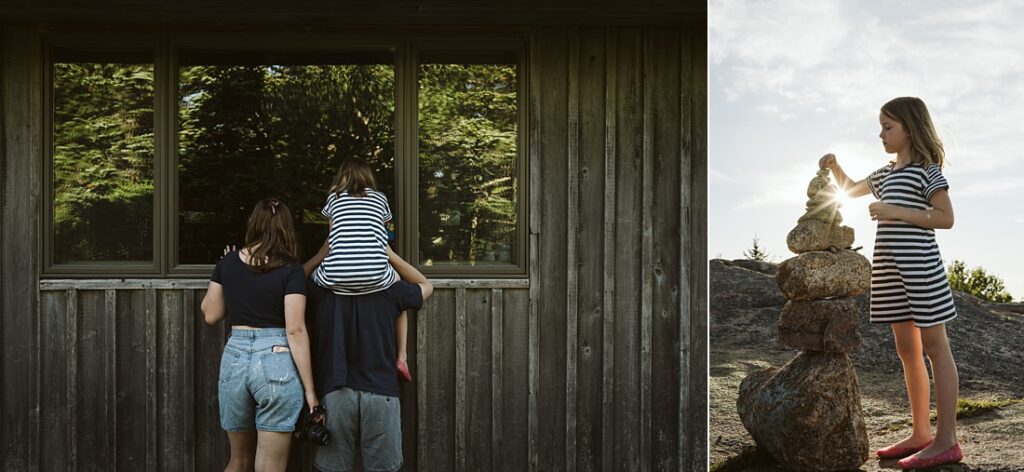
x=403, y=371
x=899, y=452
x=952, y=455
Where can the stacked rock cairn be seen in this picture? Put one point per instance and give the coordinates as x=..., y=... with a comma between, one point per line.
x=807, y=414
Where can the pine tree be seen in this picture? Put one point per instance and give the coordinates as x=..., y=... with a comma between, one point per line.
x=756, y=253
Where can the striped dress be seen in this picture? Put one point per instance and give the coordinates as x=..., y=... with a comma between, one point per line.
x=357, y=261
x=908, y=278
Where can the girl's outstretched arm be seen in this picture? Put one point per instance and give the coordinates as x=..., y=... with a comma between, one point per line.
x=317, y=258
x=940, y=216
x=852, y=188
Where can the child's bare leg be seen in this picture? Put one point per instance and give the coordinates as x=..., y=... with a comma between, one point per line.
x=402, y=335
x=910, y=350
x=947, y=383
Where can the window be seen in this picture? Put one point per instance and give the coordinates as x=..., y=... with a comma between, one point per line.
x=252, y=126
x=101, y=177
x=468, y=123
x=158, y=154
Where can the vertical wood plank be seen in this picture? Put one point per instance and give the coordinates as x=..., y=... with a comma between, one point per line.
x=151, y=380
x=698, y=247
x=497, y=369
x=479, y=375
x=211, y=449
x=92, y=392
x=607, y=337
x=687, y=90
x=590, y=261
x=515, y=381
x=110, y=368
x=422, y=371
x=20, y=131
x=460, y=379
x=170, y=394
x=662, y=80
x=71, y=338
x=131, y=341
x=628, y=236
x=439, y=413
x=533, y=347
x=550, y=396
x=188, y=348
x=572, y=266
x=646, y=251
x=54, y=423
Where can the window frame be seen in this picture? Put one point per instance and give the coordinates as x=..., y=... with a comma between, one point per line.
x=166, y=52
x=469, y=50
x=109, y=47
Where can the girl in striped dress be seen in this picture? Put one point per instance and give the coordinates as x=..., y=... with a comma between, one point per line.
x=909, y=288
x=354, y=259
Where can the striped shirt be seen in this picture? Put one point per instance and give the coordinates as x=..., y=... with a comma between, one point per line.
x=357, y=262
x=908, y=278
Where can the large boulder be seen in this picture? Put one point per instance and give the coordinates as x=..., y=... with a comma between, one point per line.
x=734, y=286
x=807, y=414
x=821, y=325
x=814, y=235
x=824, y=274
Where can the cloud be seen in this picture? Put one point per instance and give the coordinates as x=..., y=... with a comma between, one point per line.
x=998, y=186
x=842, y=59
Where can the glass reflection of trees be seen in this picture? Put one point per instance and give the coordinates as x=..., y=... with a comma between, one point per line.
x=102, y=162
x=467, y=164
x=252, y=131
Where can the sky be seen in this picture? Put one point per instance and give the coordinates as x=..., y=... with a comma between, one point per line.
x=791, y=80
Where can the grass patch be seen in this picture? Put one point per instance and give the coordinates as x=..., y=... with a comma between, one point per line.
x=967, y=408
x=750, y=456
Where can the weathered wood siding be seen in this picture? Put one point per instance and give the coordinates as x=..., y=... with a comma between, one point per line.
x=596, y=362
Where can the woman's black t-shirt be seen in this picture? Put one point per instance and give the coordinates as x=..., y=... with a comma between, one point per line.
x=255, y=299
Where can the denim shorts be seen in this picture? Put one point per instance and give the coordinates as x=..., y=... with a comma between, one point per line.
x=258, y=387
x=362, y=424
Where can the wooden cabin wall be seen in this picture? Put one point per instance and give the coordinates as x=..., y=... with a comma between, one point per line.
x=596, y=362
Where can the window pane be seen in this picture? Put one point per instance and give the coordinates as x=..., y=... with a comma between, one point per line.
x=467, y=164
x=102, y=162
x=247, y=132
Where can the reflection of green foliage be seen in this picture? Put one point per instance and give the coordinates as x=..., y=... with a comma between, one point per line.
x=977, y=282
x=467, y=159
x=103, y=161
x=248, y=132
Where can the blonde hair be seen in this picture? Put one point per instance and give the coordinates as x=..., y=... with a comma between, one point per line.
x=354, y=176
x=925, y=145
x=270, y=236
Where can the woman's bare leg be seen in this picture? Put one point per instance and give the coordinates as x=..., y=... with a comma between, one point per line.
x=243, y=451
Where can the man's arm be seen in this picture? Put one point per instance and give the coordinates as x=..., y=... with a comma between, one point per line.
x=409, y=273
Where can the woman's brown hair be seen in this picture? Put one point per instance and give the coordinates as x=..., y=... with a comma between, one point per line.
x=270, y=236
x=354, y=176
x=925, y=145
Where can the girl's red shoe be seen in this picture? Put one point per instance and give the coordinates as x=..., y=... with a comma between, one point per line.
x=952, y=455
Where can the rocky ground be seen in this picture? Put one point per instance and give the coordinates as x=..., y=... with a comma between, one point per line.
x=986, y=339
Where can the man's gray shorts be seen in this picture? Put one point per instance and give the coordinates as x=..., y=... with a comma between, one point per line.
x=361, y=422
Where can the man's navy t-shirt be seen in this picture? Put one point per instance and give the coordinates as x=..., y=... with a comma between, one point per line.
x=354, y=337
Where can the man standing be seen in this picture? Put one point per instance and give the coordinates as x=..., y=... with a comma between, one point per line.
x=354, y=357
